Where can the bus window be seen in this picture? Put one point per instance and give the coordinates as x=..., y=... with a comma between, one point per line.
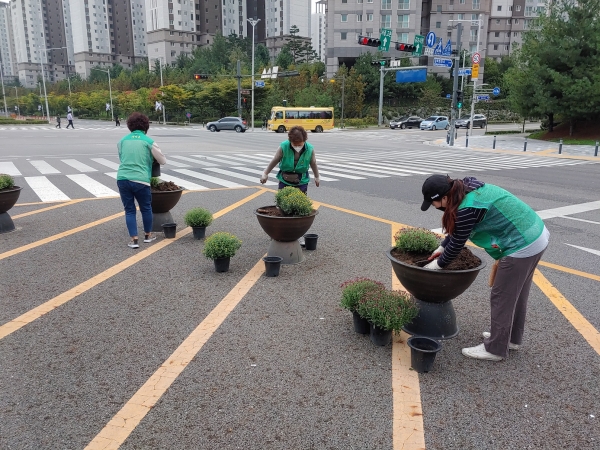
x=326, y=115
x=277, y=115
x=291, y=114
x=305, y=115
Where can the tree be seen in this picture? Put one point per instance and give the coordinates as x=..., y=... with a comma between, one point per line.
x=285, y=59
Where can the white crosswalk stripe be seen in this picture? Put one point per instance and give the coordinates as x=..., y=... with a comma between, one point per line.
x=107, y=163
x=44, y=168
x=94, y=187
x=9, y=168
x=45, y=190
x=238, y=175
x=78, y=165
x=209, y=178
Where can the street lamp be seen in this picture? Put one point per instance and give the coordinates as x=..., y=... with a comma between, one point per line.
x=161, y=85
x=44, y=81
x=253, y=22
x=112, y=113
x=343, y=97
x=3, y=94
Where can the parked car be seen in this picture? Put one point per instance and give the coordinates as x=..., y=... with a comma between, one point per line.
x=435, y=123
x=406, y=122
x=228, y=123
x=479, y=120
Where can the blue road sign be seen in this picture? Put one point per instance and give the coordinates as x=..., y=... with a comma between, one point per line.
x=447, y=49
x=430, y=39
x=496, y=91
x=438, y=49
x=448, y=95
x=411, y=76
x=464, y=72
x=442, y=62
x=483, y=97
x=259, y=84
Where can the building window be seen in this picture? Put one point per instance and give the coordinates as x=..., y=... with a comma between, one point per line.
x=344, y=17
x=460, y=16
x=506, y=47
x=386, y=4
x=476, y=4
x=402, y=37
x=438, y=24
x=510, y=8
x=516, y=21
x=386, y=21
x=403, y=4
x=518, y=7
x=515, y=34
x=439, y=8
x=507, y=21
x=499, y=7
x=497, y=34
x=344, y=35
x=359, y=17
x=403, y=21
x=359, y=1
x=473, y=35
x=369, y=17
x=344, y=1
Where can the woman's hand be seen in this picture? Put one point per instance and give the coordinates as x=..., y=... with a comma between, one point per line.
x=436, y=253
x=317, y=182
x=263, y=178
x=433, y=265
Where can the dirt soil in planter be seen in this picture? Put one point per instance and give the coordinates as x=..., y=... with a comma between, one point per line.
x=274, y=211
x=465, y=259
x=165, y=186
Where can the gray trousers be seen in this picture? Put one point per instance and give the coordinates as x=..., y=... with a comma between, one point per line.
x=509, y=302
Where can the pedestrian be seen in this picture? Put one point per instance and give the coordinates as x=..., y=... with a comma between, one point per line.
x=70, y=119
x=136, y=153
x=57, y=121
x=117, y=122
x=265, y=122
x=509, y=231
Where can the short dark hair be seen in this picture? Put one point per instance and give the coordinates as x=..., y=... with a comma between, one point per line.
x=297, y=134
x=138, y=121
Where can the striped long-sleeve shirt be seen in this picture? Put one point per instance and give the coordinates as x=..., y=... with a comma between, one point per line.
x=466, y=219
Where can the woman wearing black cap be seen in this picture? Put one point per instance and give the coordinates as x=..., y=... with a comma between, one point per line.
x=509, y=231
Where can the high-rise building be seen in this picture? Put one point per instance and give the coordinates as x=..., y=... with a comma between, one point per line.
x=281, y=15
x=319, y=30
x=7, y=50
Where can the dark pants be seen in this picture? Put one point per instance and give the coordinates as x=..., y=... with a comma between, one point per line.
x=302, y=187
x=129, y=191
x=70, y=124
x=57, y=125
x=509, y=302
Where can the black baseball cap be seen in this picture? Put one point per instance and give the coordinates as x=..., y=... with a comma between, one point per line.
x=434, y=188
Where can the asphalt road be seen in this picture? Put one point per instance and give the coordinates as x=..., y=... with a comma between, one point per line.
x=273, y=363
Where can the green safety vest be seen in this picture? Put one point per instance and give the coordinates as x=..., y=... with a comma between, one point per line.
x=135, y=153
x=287, y=162
x=508, y=225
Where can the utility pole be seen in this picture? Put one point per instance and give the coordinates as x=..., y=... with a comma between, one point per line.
x=474, y=86
x=3, y=94
x=239, y=80
x=455, y=86
x=162, y=104
x=462, y=79
x=253, y=22
x=381, y=76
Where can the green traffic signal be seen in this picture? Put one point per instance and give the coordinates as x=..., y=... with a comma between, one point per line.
x=459, y=105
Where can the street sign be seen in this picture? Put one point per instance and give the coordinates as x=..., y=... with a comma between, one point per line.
x=483, y=97
x=476, y=58
x=438, y=49
x=442, y=62
x=448, y=95
x=430, y=39
x=385, y=38
x=496, y=91
x=259, y=84
x=448, y=49
x=245, y=91
x=396, y=63
x=419, y=44
x=464, y=72
x=428, y=51
x=475, y=71
x=188, y=115
x=411, y=76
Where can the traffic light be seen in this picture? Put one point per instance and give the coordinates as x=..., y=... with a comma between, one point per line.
x=371, y=42
x=459, y=99
x=200, y=76
x=401, y=47
x=378, y=63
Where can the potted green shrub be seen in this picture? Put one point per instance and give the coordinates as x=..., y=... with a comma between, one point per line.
x=386, y=311
x=165, y=195
x=352, y=292
x=432, y=290
x=220, y=247
x=9, y=194
x=198, y=219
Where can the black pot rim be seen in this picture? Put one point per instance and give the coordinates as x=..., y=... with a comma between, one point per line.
x=410, y=343
x=12, y=189
x=166, y=192
x=272, y=259
x=475, y=269
x=168, y=225
x=314, y=213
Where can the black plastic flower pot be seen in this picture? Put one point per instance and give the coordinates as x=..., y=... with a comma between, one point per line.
x=310, y=241
x=379, y=336
x=361, y=325
x=199, y=232
x=272, y=265
x=221, y=264
x=170, y=230
x=422, y=353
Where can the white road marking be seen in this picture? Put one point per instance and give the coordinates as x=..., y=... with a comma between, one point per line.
x=357, y=172
x=183, y=183
x=44, y=168
x=239, y=175
x=9, y=168
x=94, y=187
x=45, y=190
x=571, y=209
x=589, y=250
x=106, y=162
x=214, y=180
x=195, y=161
x=78, y=165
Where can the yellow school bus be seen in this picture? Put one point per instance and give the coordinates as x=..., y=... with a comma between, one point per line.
x=315, y=119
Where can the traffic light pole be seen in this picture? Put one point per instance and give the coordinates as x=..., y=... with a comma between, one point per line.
x=239, y=79
x=455, y=86
x=381, y=76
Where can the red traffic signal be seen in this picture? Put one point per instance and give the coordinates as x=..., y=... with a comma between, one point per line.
x=405, y=47
x=371, y=42
x=199, y=76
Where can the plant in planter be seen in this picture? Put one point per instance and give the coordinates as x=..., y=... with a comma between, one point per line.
x=433, y=290
x=352, y=292
x=387, y=311
x=198, y=219
x=220, y=247
x=9, y=194
x=165, y=195
x=293, y=202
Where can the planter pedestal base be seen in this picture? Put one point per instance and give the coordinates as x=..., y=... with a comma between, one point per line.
x=159, y=218
x=6, y=223
x=435, y=320
x=291, y=252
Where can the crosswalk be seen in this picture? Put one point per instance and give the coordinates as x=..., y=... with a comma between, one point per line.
x=8, y=128
x=62, y=179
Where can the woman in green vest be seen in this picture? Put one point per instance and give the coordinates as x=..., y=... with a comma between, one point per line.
x=509, y=231
x=294, y=157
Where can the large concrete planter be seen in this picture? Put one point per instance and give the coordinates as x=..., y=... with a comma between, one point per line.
x=8, y=198
x=162, y=203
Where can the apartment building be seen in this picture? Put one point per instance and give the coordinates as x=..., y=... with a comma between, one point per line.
x=281, y=15
x=7, y=51
x=318, y=32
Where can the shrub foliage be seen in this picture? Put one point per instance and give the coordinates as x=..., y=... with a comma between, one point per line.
x=293, y=202
x=221, y=245
x=6, y=181
x=353, y=290
x=198, y=217
x=389, y=310
x=416, y=240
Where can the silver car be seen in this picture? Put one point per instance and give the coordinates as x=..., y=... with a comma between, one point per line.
x=228, y=123
x=435, y=123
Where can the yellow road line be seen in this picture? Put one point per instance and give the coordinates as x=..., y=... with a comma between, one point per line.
x=571, y=271
x=547, y=151
x=407, y=422
x=72, y=202
x=55, y=237
x=127, y=419
x=41, y=203
x=581, y=324
x=61, y=299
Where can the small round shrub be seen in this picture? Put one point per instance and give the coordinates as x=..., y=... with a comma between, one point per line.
x=293, y=202
x=354, y=290
x=416, y=240
x=221, y=245
x=388, y=310
x=6, y=181
x=198, y=217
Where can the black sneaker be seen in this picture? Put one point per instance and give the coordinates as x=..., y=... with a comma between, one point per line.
x=149, y=238
x=133, y=244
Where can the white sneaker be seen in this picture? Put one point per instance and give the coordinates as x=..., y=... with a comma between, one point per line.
x=511, y=346
x=479, y=352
